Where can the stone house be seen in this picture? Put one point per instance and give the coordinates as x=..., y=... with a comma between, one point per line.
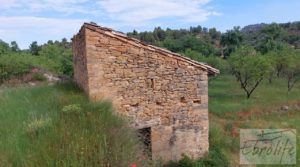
x=163, y=93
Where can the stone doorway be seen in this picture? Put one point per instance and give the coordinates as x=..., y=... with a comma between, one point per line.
x=145, y=136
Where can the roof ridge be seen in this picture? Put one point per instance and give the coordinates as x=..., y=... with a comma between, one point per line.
x=122, y=36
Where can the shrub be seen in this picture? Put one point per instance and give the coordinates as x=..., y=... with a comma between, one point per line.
x=228, y=127
x=14, y=66
x=37, y=125
x=215, y=158
x=57, y=59
x=72, y=108
x=39, y=76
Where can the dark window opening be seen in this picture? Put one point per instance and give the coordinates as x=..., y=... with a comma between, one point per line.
x=135, y=105
x=145, y=136
x=197, y=101
x=183, y=100
x=152, y=83
x=159, y=103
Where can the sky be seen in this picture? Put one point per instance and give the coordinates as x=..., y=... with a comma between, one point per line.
x=25, y=21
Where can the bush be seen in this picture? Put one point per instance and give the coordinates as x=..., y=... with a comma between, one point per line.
x=39, y=76
x=215, y=158
x=14, y=66
x=214, y=61
x=37, y=125
x=57, y=59
x=72, y=108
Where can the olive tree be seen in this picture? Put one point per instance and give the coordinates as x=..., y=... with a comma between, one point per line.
x=249, y=68
x=281, y=58
x=292, y=69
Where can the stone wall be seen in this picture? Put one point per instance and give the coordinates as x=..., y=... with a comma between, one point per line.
x=79, y=60
x=153, y=90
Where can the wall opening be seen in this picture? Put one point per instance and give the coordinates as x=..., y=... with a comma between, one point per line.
x=152, y=83
x=198, y=101
x=145, y=136
x=183, y=100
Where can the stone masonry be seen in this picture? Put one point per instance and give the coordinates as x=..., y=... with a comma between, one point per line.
x=153, y=87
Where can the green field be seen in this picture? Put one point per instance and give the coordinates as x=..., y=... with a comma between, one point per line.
x=226, y=96
x=230, y=110
x=57, y=125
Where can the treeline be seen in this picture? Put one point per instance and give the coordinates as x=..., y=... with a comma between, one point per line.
x=251, y=54
x=209, y=41
x=200, y=39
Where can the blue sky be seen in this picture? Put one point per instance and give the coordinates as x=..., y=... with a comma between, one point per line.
x=25, y=21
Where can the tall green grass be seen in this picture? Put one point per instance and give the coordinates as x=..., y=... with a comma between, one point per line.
x=58, y=126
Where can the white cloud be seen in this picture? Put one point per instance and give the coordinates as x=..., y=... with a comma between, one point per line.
x=25, y=29
x=36, y=6
x=28, y=20
x=141, y=12
x=129, y=12
x=6, y=4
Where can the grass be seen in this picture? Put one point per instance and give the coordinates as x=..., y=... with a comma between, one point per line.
x=227, y=100
x=229, y=144
x=226, y=96
x=57, y=126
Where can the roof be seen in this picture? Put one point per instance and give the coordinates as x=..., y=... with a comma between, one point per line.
x=123, y=37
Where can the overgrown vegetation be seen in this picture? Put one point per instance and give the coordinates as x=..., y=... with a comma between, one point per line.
x=55, y=57
x=62, y=128
x=14, y=65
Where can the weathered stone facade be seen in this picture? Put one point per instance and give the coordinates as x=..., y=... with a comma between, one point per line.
x=154, y=87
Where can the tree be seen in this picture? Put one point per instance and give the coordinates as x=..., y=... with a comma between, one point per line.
x=159, y=34
x=147, y=37
x=4, y=47
x=173, y=45
x=231, y=40
x=270, y=38
x=34, y=48
x=196, y=30
x=292, y=69
x=64, y=43
x=265, y=46
x=249, y=68
x=214, y=34
x=273, y=32
x=14, y=46
x=281, y=59
x=272, y=59
x=58, y=57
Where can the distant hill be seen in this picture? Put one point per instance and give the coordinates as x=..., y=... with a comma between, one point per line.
x=253, y=28
x=283, y=32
